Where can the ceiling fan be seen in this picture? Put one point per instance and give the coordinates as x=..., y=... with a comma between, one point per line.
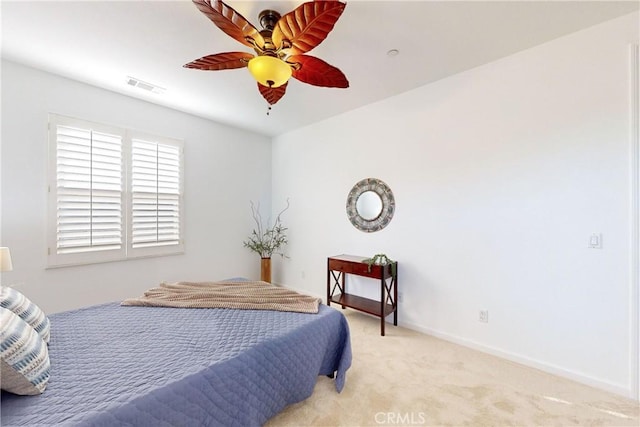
x=280, y=46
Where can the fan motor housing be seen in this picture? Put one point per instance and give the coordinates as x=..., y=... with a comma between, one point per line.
x=268, y=19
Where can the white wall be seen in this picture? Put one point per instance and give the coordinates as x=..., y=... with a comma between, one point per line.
x=225, y=168
x=500, y=175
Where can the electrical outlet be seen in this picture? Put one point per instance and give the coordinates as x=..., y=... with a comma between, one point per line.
x=483, y=316
x=400, y=298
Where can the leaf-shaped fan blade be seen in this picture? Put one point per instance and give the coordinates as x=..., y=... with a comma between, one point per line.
x=316, y=72
x=307, y=26
x=221, y=61
x=272, y=94
x=230, y=21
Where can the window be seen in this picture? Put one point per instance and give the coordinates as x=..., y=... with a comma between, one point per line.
x=155, y=195
x=113, y=193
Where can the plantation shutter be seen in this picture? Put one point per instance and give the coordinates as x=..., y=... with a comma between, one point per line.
x=114, y=194
x=88, y=190
x=155, y=194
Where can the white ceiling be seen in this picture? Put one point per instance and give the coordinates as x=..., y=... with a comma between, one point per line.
x=103, y=42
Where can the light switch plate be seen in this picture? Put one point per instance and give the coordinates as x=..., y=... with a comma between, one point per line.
x=595, y=241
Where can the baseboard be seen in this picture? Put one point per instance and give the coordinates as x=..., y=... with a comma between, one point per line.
x=523, y=360
x=627, y=392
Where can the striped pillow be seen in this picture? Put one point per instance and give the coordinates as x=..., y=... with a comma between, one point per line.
x=24, y=364
x=15, y=301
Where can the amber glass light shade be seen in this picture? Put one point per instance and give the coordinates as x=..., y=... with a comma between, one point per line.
x=269, y=71
x=5, y=259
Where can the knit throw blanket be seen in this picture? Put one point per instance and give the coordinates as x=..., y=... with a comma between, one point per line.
x=226, y=294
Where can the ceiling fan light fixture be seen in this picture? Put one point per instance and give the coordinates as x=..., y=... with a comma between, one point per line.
x=280, y=47
x=269, y=71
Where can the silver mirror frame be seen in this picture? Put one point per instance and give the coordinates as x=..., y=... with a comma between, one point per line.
x=388, y=205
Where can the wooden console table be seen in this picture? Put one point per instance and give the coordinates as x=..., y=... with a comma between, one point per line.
x=340, y=265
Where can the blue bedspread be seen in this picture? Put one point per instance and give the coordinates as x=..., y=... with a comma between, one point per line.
x=149, y=366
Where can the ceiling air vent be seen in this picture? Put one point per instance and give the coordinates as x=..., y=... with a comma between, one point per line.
x=149, y=87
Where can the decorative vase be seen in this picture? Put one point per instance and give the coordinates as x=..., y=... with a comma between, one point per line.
x=265, y=269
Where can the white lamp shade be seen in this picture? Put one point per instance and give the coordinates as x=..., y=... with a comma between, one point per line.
x=5, y=259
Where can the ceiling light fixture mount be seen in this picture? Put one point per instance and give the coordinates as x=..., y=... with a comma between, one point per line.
x=268, y=19
x=280, y=46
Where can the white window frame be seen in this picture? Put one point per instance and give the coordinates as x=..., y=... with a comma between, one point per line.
x=126, y=251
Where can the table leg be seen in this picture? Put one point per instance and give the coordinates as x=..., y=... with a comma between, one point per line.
x=395, y=299
x=383, y=303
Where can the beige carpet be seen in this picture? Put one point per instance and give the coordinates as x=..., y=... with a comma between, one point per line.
x=407, y=378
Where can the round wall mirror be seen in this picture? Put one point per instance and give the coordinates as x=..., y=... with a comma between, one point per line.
x=370, y=205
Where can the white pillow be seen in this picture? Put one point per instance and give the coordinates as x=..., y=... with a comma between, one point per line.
x=24, y=364
x=15, y=301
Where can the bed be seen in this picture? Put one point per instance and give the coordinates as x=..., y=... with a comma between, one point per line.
x=158, y=366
